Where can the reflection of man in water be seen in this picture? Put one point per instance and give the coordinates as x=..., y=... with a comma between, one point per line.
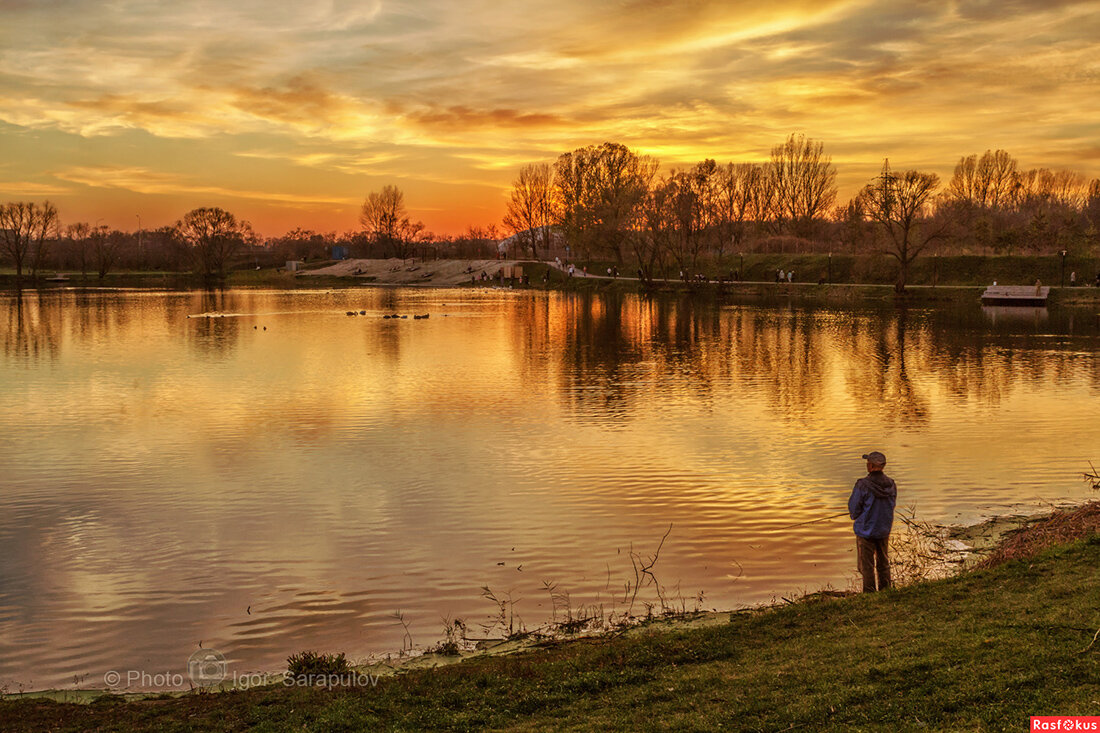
x=872, y=507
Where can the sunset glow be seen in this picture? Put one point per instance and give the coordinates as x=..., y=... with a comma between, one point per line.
x=288, y=114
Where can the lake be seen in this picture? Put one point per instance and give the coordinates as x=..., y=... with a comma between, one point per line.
x=258, y=472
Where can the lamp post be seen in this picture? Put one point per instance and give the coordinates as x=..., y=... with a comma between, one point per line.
x=141, y=246
x=1063, y=268
x=741, y=269
x=830, y=268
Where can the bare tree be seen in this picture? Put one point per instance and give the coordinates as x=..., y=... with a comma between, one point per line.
x=213, y=236
x=80, y=235
x=740, y=200
x=623, y=179
x=899, y=203
x=105, y=246
x=302, y=244
x=574, y=207
x=691, y=200
x=805, y=182
x=1092, y=203
x=530, y=208
x=408, y=234
x=657, y=225
x=25, y=230
x=382, y=215
x=986, y=182
x=598, y=193
x=705, y=184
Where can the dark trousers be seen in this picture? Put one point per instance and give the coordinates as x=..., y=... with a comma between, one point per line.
x=873, y=560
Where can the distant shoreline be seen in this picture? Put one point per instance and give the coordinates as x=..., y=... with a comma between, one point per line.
x=837, y=279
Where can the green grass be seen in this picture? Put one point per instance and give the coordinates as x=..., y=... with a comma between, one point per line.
x=980, y=651
x=878, y=269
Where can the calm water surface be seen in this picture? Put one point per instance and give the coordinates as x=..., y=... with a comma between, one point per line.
x=259, y=472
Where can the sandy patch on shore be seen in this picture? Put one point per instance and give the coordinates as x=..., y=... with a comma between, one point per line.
x=409, y=272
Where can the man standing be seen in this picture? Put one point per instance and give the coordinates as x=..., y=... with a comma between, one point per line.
x=872, y=507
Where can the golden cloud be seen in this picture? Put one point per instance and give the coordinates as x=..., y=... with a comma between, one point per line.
x=442, y=93
x=147, y=181
x=30, y=189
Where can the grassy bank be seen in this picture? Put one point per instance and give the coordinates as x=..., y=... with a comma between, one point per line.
x=837, y=293
x=954, y=270
x=270, y=278
x=878, y=269
x=979, y=651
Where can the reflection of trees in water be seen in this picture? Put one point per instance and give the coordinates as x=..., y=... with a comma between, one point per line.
x=214, y=335
x=989, y=370
x=600, y=361
x=386, y=341
x=882, y=354
x=617, y=351
x=614, y=352
x=604, y=352
x=99, y=319
x=38, y=323
x=31, y=330
x=780, y=353
x=679, y=341
x=975, y=371
x=533, y=338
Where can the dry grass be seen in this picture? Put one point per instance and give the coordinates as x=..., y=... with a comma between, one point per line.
x=919, y=551
x=1060, y=527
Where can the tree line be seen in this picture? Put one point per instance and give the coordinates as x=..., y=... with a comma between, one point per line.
x=210, y=241
x=607, y=202
x=204, y=240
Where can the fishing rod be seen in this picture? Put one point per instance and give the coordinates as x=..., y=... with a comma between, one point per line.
x=902, y=517
x=815, y=521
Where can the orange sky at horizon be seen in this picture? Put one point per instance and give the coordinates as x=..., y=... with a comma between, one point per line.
x=288, y=115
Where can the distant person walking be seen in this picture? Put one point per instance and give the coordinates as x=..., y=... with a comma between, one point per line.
x=871, y=506
x=790, y=276
x=1073, y=279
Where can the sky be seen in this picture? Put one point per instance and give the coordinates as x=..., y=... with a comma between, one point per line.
x=288, y=113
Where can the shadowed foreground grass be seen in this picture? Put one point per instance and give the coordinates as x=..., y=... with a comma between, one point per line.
x=980, y=651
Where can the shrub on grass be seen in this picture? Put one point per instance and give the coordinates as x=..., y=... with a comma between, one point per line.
x=309, y=663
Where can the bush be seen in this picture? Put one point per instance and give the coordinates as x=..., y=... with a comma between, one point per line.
x=309, y=663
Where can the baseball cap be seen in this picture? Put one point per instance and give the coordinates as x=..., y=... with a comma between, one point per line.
x=875, y=457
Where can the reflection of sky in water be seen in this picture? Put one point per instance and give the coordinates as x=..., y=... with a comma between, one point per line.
x=162, y=474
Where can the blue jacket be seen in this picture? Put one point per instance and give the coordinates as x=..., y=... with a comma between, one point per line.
x=872, y=505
